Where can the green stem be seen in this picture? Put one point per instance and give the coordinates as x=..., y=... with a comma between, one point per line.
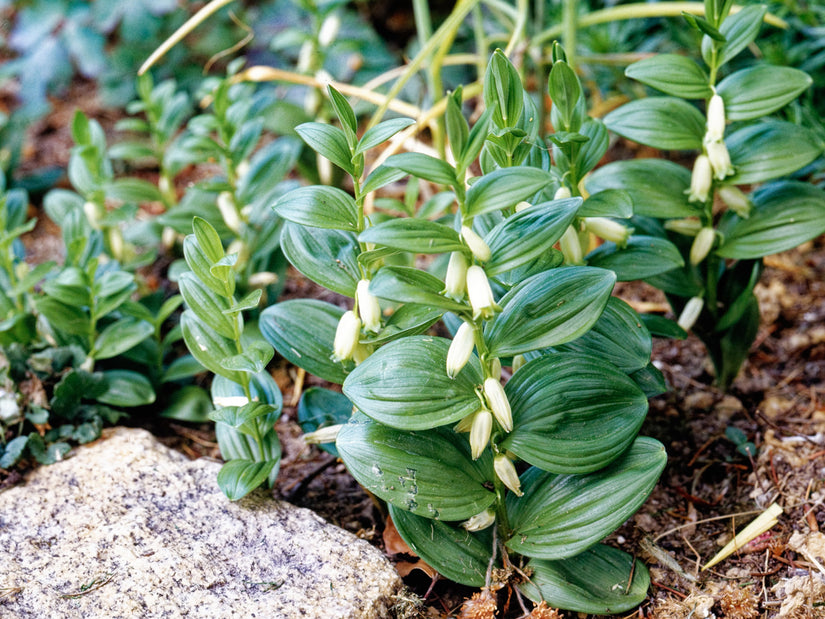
x=505, y=531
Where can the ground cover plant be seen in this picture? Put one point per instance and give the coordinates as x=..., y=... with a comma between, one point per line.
x=470, y=319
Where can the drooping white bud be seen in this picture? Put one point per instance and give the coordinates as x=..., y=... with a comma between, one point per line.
x=702, y=245
x=506, y=472
x=480, y=432
x=346, y=336
x=736, y=200
x=461, y=348
x=226, y=205
x=456, y=280
x=608, y=230
x=481, y=295
x=480, y=249
x=562, y=193
x=329, y=30
x=700, y=180
x=498, y=403
x=518, y=363
x=368, y=307
x=716, y=119
x=690, y=226
x=94, y=213
x=495, y=368
x=481, y=521
x=262, y=279
x=522, y=206
x=323, y=435
x=719, y=159
x=571, y=247
x=116, y=244
x=690, y=313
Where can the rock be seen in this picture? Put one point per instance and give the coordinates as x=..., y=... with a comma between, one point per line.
x=129, y=528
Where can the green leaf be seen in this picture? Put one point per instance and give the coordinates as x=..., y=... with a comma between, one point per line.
x=549, y=309
x=661, y=122
x=523, y=237
x=784, y=215
x=62, y=317
x=561, y=516
x=252, y=360
x=739, y=30
x=565, y=92
x=319, y=408
x=303, y=331
x=132, y=190
x=237, y=478
x=595, y=581
x=761, y=90
x=409, y=319
x=13, y=452
x=642, y=257
x=189, y=403
x=207, y=306
x=572, y=413
x=665, y=198
x=250, y=301
x=69, y=287
x=344, y=112
x=181, y=368
x=382, y=132
x=207, y=346
x=608, y=203
x=592, y=151
x=660, y=326
x=504, y=188
x=126, y=388
x=208, y=240
x=414, y=235
x=458, y=131
x=503, y=92
x=619, y=337
x=423, y=166
x=380, y=177
x=411, y=285
x=244, y=418
x=201, y=265
x=769, y=150
x=673, y=74
x=457, y=554
x=120, y=336
x=319, y=206
x=704, y=26
x=329, y=142
x=327, y=257
x=405, y=385
x=429, y=473
x=112, y=290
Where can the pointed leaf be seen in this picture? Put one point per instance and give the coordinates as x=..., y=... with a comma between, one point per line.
x=414, y=235
x=319, y=206
x=411, y=285
x=504, y=188
x=237, y=478
x=424, y=166
x=673, y=74
x=761, y=90
x=381, y=133
x=329, y=142
x=642, y=257
x=207, y=346
x=661, y=122
x=327, y=257
x=769, y=150
x=739, y=30
x=208, y=306
x=120, y=336
x=126, y=388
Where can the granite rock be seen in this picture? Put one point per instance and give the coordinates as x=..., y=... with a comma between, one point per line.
x=129, y=528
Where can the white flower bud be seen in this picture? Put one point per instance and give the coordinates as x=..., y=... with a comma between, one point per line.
x=608, y=230
x=689, y=226
x=716, y=119
x=480, y=249
x=480, y=432
x=329, y=30
x=168, y=237
x=466, y=423
x=346, y=336
x=323, y=435
x=368, y=307
x=690, y=313
x=700, y=180
x=456, y=279
x=230, y=400
x=719, y=159
x=304, y=57
x=506, y=472
x=242, y=169
x=461, y=348
x=522, y=206
x=518, y=363
x=736, y=200
x=702, y=245
x=481, y=521
x=116, y=244
x=571, y=247
x=562, y=193
x=226, y=205
x=94, y=213
x=495, y=368
x=498, y=403
x=262, y=279
x=481, y=295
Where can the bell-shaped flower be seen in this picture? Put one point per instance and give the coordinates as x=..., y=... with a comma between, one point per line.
x=506, y=472
x=562, y=193
x=481, y=295
x=702, y=244
x=736, y=200
x=460, y=349
x=480, y=432
x=719, y=159
x=571, y=247
x=690, y=313
x=480, y=249
x=689, y=226
x=521, y=206
x=327, y=434
x=347, y=335
x=701, y=179
x=226, y=205
x=716, y=119
x=455, y=284
x=608, y=230
x=480, y=521
x=368, y=307
x=498, y=403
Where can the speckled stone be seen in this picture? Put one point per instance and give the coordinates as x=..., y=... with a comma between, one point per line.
x=129, y=528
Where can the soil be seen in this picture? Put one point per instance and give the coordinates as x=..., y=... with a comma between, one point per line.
x=709, y=490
